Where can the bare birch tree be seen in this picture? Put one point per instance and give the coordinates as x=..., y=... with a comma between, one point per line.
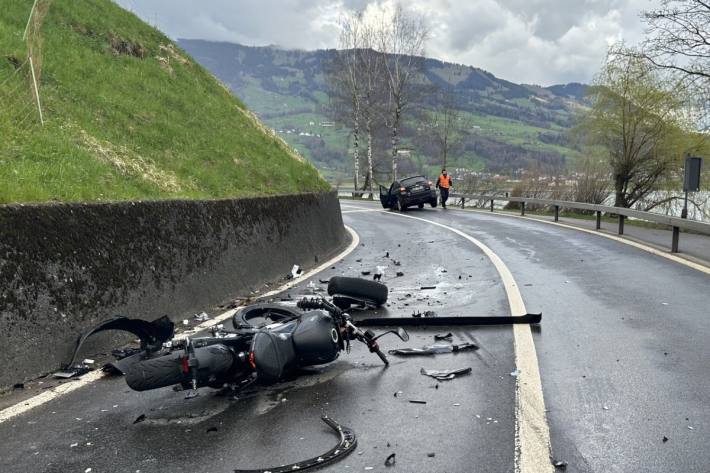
x=401, y=38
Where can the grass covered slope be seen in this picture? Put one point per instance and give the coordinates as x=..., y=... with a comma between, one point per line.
x=128, y=115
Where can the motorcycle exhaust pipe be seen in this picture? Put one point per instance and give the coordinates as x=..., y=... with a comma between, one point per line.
x=214, y=361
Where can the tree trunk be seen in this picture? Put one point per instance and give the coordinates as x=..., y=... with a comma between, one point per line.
x=356, y=144
x=368, y=127
x=395, y=140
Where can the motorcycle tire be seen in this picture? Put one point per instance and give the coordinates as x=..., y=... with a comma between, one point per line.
x=257, y=315
x=167, y=370
x=358, y=288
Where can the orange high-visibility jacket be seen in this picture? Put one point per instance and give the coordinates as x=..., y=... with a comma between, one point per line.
x=444, y=181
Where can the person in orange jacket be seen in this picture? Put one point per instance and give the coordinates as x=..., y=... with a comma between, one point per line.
x=444, y=183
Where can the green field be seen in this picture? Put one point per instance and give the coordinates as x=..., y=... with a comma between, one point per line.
x=128, y=115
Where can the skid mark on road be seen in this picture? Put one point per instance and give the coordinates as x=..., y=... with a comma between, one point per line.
x=50, y=394
x=532, y=433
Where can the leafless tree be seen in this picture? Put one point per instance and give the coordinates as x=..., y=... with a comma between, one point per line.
x=401, y=38
x=678, y=42
x=346, y=83
x=445, y=123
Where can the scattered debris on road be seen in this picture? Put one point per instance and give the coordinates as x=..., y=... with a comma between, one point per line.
x=201, y=317
x=139, y=419
x=295, y=273
x=560, y=465
x=390, y=460
x=365, y=273
x=443, y=336
x=426, y=288
x=433, y=349
x=427, y=313
x=665, y=439
x=417, y=401
x=445, y=375
x=515, y=373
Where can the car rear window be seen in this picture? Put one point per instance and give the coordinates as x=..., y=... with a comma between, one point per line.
x=413, y=180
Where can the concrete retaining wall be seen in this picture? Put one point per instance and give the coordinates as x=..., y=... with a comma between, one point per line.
x=65, y=267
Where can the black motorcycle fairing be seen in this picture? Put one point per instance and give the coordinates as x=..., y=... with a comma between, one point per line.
x=272, y=356
x=151, y=334
x=316, y=339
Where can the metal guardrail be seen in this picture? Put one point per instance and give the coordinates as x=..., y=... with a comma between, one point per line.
x=622, y=213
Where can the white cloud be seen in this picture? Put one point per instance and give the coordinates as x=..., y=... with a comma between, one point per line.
x=531, y=41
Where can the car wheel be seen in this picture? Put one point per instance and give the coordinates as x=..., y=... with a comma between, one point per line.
x=421, y=206
x=400, y=205
x=358, y=288
x=433, y=204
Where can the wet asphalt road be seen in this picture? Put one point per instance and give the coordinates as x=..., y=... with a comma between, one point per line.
x=622, y=350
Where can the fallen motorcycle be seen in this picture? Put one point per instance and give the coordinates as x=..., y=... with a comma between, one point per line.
x=269, y=343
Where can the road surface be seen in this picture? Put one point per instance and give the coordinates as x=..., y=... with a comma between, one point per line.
x=622, y=353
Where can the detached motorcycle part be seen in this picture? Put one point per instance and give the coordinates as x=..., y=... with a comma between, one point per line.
x=450, y=321
x=347, y=443
x=358, y=289
x=152, y=334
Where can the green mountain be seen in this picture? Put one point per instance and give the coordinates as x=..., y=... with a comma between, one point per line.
x=128, y=115
x=503, y=126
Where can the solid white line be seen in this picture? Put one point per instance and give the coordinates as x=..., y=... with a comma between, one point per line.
x=359, y=210
x=88, y=378
x=620, y=239
x=532, y=433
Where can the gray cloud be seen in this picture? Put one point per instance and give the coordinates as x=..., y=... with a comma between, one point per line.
x=531, y=41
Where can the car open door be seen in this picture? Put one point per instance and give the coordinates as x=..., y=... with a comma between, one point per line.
x=385, y=197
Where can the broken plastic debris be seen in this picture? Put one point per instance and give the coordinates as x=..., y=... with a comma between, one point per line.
x=424, y=288
x=443, y=336
x=186, y=322
x=433, y=349
x=665, y=439
x=296, y=272
x=390, y=460
x=72, y=371
x=515, y=373
x=139, y=419
x=560, y=465
x=427, y=313
x=365, y=273
x=445, y=375
x=201, y=317
x=431, y=454
x=417, y=401
x=88, y=361
x=400, y=274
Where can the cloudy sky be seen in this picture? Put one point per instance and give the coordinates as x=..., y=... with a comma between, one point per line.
x=532, y=41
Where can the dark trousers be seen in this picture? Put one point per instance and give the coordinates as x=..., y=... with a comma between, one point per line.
x=444, y=195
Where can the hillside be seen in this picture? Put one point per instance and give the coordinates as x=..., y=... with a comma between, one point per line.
x=505, y=126
x=128, y=115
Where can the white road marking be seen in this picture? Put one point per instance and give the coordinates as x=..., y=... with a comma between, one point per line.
x=620, y=239
x=88, y=378
x=532, y=433
x=359, y=210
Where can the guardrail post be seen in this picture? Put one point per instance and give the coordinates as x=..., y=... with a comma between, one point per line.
x=557, y=213
x=621, y=224
x=676, y=235
x=491, y=205
x=463, y=202
x=522, y=208
x=599, y=219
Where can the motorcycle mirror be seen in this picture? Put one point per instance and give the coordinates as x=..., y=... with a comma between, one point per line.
x=400, y=332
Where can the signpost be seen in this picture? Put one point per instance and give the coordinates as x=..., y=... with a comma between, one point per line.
x=691, y=183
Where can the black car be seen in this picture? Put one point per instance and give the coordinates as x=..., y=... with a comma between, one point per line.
x=407, y=192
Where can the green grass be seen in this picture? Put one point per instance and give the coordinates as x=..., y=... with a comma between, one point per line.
x=123, y=127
